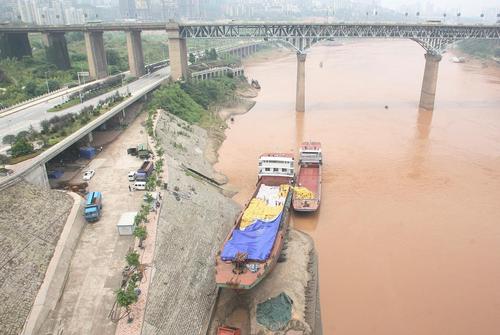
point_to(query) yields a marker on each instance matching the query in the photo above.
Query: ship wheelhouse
(276, 165)
(310, 153)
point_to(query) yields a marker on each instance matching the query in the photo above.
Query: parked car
(87, 175)
(139, 186)
(132, 151)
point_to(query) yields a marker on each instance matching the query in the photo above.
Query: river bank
(199, 213)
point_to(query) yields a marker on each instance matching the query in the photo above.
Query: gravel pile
(31, 221)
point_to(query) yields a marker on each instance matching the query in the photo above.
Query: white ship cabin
(280, 165)
(310, 152)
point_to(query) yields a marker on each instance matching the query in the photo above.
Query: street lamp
(82, 74)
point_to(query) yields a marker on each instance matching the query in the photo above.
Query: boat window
(275, 169)
(268, 169)
(284, 170)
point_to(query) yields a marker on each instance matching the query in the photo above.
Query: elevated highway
(34, 170)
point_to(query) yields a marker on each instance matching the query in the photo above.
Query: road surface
(22, 120)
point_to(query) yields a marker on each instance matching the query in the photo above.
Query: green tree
(30, 89)
(23, 134)
(53, 85)
(192, 58)
(4, 160)
(113, 57)
(45, 125)
(126, 297)
(9, 139)
(21, 147)
(133, 258)
(141, 233)
(148, 198)
(213, 54)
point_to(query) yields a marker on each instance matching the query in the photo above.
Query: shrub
(9, 139)
(133, 258)
(21, 147)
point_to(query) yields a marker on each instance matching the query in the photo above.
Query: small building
(126, 224)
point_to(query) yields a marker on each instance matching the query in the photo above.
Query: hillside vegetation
(33, 76)
(481, 48)
(190, 101)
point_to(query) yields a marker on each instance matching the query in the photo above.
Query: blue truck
(93, 206)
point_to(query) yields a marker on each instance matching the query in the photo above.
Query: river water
(408, 234)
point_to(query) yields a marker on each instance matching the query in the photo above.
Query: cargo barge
(254, 244)
(307, 194)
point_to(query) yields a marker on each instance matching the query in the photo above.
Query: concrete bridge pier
(56, 49)
(38, 176)
(96, 55)
(135, 54)
(429, 83)
(14, 45)
(178, 52)
(300, 103)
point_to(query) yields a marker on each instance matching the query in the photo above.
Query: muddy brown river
(408, 233)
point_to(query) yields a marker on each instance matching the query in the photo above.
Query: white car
(87, 175)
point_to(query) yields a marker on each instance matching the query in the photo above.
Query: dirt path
(95, 271)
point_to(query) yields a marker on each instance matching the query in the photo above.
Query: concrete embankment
(197, 216)
(32, 231)
(195, 220)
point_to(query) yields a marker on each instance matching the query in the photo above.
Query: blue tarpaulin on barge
(256, 240)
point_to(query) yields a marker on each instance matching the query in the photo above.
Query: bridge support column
(178, 53)
(135, 54)
(56, 50)
(90, 137)
(429, 83)
(300, 104)
(96, 55)
(14, 45)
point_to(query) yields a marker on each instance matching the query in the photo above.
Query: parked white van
(131, 176)
(139, 185)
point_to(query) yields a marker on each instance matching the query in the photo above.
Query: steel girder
(321, 31)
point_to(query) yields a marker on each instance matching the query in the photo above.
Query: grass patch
(64, 105)
(23, 158)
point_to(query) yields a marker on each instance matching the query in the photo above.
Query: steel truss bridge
(433, 37)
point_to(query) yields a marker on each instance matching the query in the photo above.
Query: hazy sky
(468, 7)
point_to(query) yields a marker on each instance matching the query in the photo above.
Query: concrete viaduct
(432, 37)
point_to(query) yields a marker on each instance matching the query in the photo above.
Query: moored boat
(253, 246)
(307, 193)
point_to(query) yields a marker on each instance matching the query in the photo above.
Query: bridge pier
(56, 49)
(178, 53)
(300, 103)
(96, 55)
(429, 83)
(14, 45)
(135, 54)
